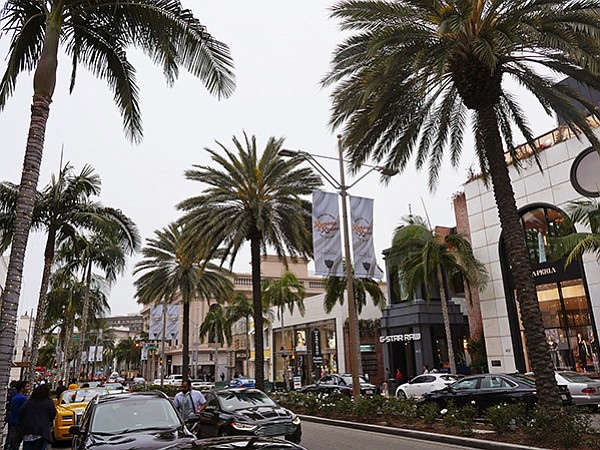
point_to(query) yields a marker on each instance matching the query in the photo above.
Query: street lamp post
(353, 335)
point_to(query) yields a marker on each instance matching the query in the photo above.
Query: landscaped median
(509, 423)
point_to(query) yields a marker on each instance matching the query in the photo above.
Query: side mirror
(75, 430)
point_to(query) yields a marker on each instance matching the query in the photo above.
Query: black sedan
(247, 411)
(335, 383)
(488, 390)
(143, 420)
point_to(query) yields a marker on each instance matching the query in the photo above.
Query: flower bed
(512, 423)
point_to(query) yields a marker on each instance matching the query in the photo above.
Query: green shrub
(507, 416)
(568, 429)
(430, 413)
(462, 417)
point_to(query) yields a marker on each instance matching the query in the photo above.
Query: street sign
(151, 347)
(76, 337)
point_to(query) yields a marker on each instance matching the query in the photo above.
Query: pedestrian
(60, 388)
(399, 376)
(36, 418)
(387, 373)
(73, 384)
(9, 396)
(189, 401)
(425, 369)
(15, 436)
(222, 376)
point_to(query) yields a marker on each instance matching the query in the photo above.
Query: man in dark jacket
(14, 430)
(60, 388)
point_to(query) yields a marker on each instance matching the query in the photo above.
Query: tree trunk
(446, 317)
(216, 356)
(259, 355)
(286, 365)
(518, 257)
(246, 369)
(67, 347)
(185, 357)
(25, 202)
(42, 304)
(84, 316)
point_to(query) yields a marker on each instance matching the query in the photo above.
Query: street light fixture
(343, 191)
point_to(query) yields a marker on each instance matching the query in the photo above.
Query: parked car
(170, 380)
(335, 383)
(489, 389)
(240, 442)
(583, 389)
(115, 388)
(140, 420)
(423, 384)
(202, 385)
(69, 409)
(247, 411)
(242, 382)
(138, 381)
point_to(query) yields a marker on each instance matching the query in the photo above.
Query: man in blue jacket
(14, 433)
(189, 401)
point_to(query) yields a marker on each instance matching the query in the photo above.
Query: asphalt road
(316, 436)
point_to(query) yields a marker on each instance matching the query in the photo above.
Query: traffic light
(137, 344)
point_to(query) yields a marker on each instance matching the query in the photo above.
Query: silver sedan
(584, 390)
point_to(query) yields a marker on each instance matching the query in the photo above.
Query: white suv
(423, 384)
(171, 380)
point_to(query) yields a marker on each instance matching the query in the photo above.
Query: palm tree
(414, 74)
(421, 256)
(61, 208)
(96, 34)
(240, 308)
(216, 328)
(335, 289)
(285, 292)
(107, 250)
(586, 213)
(255, 198)
(174, 272)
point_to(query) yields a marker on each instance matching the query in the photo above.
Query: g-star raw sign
(400, 337)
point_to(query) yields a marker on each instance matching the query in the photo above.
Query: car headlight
(296, 420)
(243, 426)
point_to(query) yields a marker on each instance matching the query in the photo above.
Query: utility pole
(162, 351)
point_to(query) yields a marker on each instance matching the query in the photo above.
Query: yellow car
(69, 410)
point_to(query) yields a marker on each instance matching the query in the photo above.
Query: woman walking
(36, 418)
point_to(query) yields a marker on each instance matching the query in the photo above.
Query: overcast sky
(281, 51)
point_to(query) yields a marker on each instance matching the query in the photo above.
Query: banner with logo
(365, 262)
(99, 352)
(92, 353)
(327, 245)
(155, 328)
(172, 322)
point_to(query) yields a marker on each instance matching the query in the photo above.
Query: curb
(421, 435)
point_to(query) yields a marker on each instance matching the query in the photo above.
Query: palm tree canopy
(97, 35)
(285, 292)
(410, 70)
(251, 195)
(586, 213)
(216, 327)
(168, 270)
(336, 287)
(419, 253)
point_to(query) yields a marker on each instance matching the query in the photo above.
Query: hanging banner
(155, 327)
(144, 353)
(365, 263)
(172, 322)
(326, 235)
(99, 351)
(92, 353)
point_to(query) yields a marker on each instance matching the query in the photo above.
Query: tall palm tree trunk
(84, 316)
(259, 354)
(44, 82)
(286, 366)
(42, 305)
(518, 256)
(446, 318)
(185, 357)
(69, 323)
(247, 347)
(216, 355)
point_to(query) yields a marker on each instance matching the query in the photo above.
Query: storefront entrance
(562, 295)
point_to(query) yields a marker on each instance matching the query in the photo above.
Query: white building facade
(569, 297)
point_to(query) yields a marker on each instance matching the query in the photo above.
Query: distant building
(22, 348)
(134, 323)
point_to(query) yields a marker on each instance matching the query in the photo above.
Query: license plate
(368, 392)
(564, 397)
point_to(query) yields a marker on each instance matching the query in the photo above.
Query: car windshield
(348, 380)
(81, 395)
(575, 377)
(135, 413)
(231, 401)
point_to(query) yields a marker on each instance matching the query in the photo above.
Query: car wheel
(401, 395)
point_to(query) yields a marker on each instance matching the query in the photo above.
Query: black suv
(141, 420)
